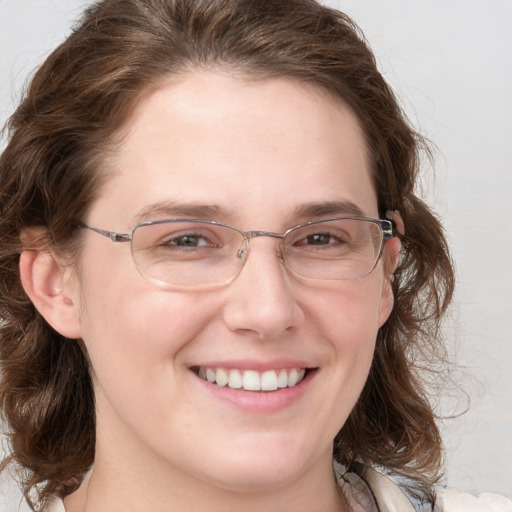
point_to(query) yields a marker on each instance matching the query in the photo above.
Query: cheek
(345, 320)
(349, 319)
(143, 322)
(136, 346)
(351, 312)
(132, 330)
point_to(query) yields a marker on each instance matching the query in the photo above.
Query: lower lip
(262, 402)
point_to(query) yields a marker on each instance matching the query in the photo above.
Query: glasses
(194, 253)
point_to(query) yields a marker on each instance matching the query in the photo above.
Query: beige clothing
(370, 491)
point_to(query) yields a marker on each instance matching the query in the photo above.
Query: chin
(252, 477)
(267, 463)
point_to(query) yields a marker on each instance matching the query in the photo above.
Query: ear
(48, 284)
(390, 258)
(391, 252)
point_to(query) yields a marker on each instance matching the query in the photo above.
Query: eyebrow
(329, 208)
(172, 209)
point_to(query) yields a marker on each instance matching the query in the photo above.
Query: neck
(110, 488)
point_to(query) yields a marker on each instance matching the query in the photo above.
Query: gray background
(449, 62)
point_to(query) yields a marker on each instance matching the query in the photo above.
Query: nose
(261, 300)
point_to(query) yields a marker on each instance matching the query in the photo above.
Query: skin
(259, 151)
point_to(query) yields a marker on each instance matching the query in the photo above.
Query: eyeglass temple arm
(115, 237)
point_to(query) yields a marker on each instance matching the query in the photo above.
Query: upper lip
(257, 365)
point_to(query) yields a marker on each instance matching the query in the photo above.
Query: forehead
(254, 148)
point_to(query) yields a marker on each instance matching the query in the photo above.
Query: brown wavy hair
(51, 170)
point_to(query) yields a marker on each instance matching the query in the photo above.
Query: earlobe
(391, 255)
(387, 300)
(46, 282)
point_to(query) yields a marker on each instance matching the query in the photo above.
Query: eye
(187, 240)
(324, 238)
(190, 240)
(320, 239)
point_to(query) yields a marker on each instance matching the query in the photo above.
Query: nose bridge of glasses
(249, 235)
(254, 234)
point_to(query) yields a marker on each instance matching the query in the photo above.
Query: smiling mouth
(252, 380)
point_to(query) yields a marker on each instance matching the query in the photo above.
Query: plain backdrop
(450, 64)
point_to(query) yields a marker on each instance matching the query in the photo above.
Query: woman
(150, 360)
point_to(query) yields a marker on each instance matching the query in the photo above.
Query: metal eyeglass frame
(387, 227)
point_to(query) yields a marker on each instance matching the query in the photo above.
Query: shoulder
(367, 489)
(455, 500)
(366, 485)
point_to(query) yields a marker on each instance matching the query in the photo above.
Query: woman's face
(255, 155)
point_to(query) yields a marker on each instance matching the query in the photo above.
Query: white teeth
(251, 380)
(221, 377)
(235, 379)
(269, 381)
(282, 380)
(293, 377)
